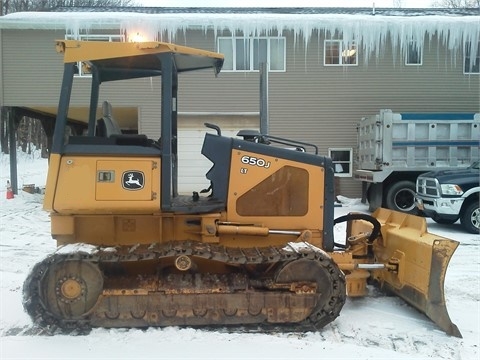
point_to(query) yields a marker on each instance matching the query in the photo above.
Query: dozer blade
(417, 262)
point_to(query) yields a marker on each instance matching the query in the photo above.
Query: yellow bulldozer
(256, 248)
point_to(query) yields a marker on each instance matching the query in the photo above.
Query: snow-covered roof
(369, 27)
(278, 10)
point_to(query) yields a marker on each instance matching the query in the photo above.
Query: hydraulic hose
(358, 216)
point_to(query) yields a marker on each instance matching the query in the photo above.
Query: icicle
(370, 33)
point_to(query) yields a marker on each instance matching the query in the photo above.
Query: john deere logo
(133, 180)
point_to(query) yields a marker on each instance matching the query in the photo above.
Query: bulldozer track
(58, 291)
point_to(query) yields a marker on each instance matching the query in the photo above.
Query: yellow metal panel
(62, 225)
(75, 50)
(78, 190)
(244, 176)
(52, 177)
(114, 189)
(119, 229)
(95, 229)
(75, 186)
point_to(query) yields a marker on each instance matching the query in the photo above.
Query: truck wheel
(401, 197)
(470, 218)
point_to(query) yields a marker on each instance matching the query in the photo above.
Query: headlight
(451, 189)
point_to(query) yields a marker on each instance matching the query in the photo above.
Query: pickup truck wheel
(400, 196)
(470, 219)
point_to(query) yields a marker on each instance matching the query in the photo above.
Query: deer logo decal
(133, 180)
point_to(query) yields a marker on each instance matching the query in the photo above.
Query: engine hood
(466, 177)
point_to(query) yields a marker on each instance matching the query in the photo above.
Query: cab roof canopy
(110, 61)
(120, 60)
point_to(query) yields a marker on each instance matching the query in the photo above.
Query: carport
(127, 117)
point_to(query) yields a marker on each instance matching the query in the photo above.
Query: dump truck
(256, 248)
(395, 148)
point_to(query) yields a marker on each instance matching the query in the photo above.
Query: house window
(342, 161)
(472, 58)
(81, 69)
(414, 54)
(246, 54)
(339, 54)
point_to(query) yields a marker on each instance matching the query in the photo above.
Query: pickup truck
(449, 195)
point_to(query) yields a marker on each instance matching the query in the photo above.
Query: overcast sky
(288, 3)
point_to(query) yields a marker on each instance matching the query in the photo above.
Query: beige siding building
(327, 69)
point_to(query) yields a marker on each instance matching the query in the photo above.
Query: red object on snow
(10, 194)
(9, 191)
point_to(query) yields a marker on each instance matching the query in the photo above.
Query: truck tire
(400, 196)
(470, 218)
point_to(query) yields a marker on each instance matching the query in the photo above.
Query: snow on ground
(375, 327)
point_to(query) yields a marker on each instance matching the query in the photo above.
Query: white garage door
(191, 131)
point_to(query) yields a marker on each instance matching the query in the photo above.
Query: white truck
(395, 148)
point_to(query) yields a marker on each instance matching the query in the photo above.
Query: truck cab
(449, 195)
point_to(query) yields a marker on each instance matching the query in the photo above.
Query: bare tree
(398, 4)
(11, 6)
(457, 4)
